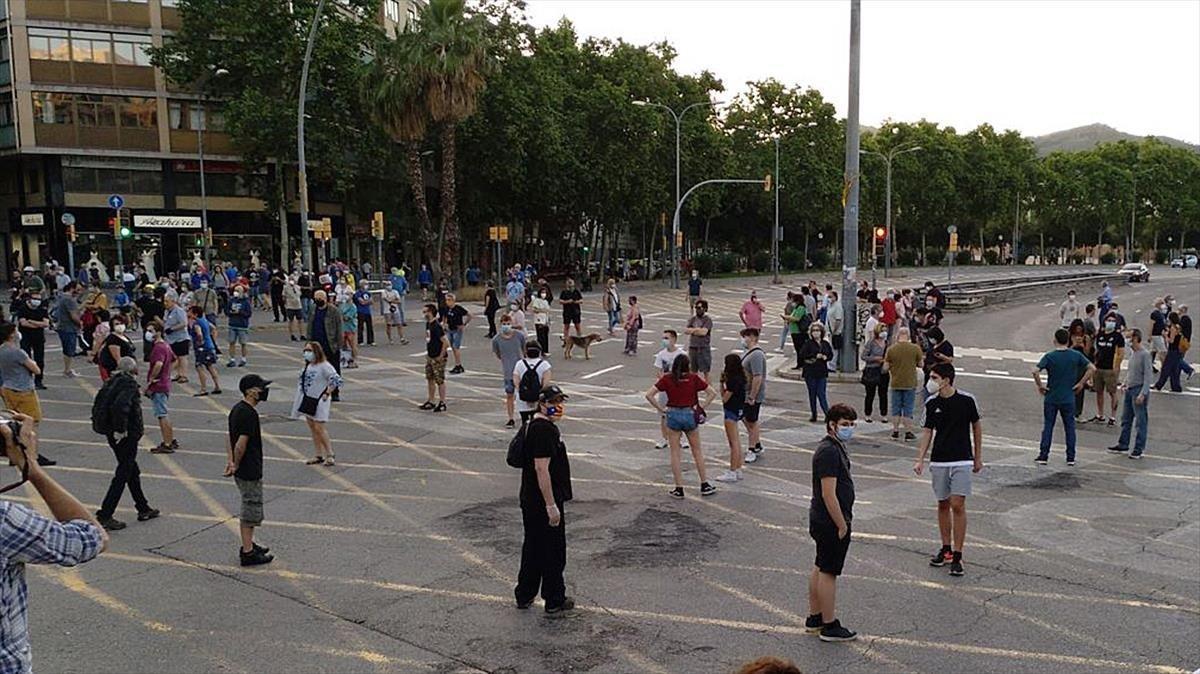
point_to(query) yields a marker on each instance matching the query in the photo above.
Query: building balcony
(184, 141)
(91, 74)
(96, 137)
(91, 11)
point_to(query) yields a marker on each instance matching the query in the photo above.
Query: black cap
(252, 381)
(552, 393)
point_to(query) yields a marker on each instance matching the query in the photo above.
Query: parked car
(1135, 271)
(1185, 262)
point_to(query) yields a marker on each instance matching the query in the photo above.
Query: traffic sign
(116, 201)
(68, 219)
(951, 230)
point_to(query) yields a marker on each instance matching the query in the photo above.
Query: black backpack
(530, 386)
(516, 457)
(101, 420)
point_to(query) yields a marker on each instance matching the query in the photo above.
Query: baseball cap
(552, 393)
(29, 268)
(252, 381)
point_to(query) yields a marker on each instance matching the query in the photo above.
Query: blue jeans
(816, 393)
(614, 318)
(1067, 412)
(783, 336)
(306, 307)
(1128, 412)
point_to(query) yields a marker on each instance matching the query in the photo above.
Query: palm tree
(431, 76)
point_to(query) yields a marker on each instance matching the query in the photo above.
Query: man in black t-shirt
(572, 307)
(437, 346)
(456, 317)
(33, 319)
(952, 427)
(829, 516)
(545, 489)
(1109, 352)
(245, 464)
(150, 306)
(940, 350)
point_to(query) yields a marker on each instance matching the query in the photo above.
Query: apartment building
(83, 116)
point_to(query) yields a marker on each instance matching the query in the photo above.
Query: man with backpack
(117, 415)
(545, 489)
(754, 362)
(508, 345)
(530, 376)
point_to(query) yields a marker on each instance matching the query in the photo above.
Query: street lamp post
(849, 354)
(775, 231)
(675, 227)
(887, 225)
(305, 245)
(201, 127)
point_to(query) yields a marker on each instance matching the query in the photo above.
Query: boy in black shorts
(572, 310)
(829, 517)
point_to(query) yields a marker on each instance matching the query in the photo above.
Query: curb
(836, 377)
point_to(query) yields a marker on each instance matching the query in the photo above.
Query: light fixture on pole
(678, 117)
(887, 158)
(305, 245)
(201, 127)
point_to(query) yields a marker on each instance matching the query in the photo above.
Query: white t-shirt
(664, 359)
(543, 366)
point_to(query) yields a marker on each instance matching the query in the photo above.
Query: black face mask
(321, 303)
(264, 394)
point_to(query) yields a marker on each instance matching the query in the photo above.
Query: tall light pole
(848, 353)
(202, 126)
(775, 231)
(675, 227)
(305, 245)
(887, 237)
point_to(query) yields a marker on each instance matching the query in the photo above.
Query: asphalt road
(402, 558)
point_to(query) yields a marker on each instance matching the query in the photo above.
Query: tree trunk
(450, 234)
(923, 262)
(416, 182)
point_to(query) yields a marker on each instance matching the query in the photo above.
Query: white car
(1135, 271)
(1185, 262)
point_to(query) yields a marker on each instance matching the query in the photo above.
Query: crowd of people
(902, 348)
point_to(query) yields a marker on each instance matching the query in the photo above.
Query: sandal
(329, 461)
(315, 460)
(200, 394)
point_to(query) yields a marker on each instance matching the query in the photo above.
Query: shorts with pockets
(70, 342)
(205, 357)
(570, 317)
(181, 348)
(25, 402)
(1157, 343)
(293, 314)
(159, 400)
(456, 337)
(435, 369)
(252, 501)
(950, 480)
(701, 359)
(681, 419)
(831, 550)
(734, 415)
(1105, 380)
(238, 335)
(903, 401)
(750, 412)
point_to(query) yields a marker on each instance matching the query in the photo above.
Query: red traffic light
(881, 233)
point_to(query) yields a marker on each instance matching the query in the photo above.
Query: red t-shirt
(160, 352)
(889, 312)
(682, 393)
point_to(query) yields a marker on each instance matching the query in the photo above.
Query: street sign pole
(68, 220)
(849, 352)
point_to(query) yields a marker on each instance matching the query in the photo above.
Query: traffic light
(767, 183)
(377, 225)
(880, 234)
(115, 225)
(71, 236)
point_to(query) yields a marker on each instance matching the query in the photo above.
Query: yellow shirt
(903, 359)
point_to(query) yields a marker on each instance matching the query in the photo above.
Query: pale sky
(1035, 66)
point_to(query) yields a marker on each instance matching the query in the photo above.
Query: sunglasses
(15, 428)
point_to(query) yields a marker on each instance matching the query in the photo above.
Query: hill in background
(1087, 137)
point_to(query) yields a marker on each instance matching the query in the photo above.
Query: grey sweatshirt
(1140, 373)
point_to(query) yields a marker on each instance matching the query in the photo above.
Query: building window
(4, 58)
(49, 45)
(94, 110)
(139, 113)
(130, 50)
(170, 3)
(195, 116)
(89, 47)
(412, 16)
(6, 118)
(391, 9)
(175, 115)
(52, 108)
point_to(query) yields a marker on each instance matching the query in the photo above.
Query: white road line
(600, 372)
(1004, 372)
(1048, 304)
(990, 358)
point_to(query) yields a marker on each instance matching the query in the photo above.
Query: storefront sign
(32, 220)
(167, 222)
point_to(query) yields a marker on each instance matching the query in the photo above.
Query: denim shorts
(681, 419)
(903, 400)
(159, 400)
(238, 335)
(734, 415)
(70, 342)
(455, 338)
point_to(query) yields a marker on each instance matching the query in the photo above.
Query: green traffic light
(125, 232)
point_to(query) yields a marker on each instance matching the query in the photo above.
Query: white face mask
(149, 335)
(933, 386)
(119, 328)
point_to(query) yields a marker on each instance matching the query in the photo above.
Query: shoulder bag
(308, 404)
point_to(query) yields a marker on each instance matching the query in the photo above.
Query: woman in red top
(889, 308)
(683, 404)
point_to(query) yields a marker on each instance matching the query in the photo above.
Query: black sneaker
(457, 369)
(255, 557)
(835, 632)
(110, 524)
(677, 492)
(1071, 463)
(956, 567)
(908, 436)
(260, 548)
(707, 489)
(942, 556)
(425, 405)
(1041, 461)
(162, 448)
(812, 419)
(895, 435)
(148, 515)
(1117, 449)
(441, 407)
(510, 423)
(566, 605)
(43, 461)
(813, 623)
(174, 444)
(524, 604)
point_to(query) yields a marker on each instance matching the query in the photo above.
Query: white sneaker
(662, 445)
(729, 476)
(749, 457)
(683, 444)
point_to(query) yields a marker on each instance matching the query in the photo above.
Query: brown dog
(585, 342)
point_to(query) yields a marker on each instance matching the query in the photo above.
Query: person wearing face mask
(240, 309)
(1158, 325)
(456, 318)
(612, 305)
(491, 305)
(158, 385)
(325, 328)
(17, 371)
(751, 312)
(694, 286)
(572, 308)
(633, 324)
(508, 347)
(873, 377)
(699, 332)
(120, 400)
(292, 309)
(1069, 310)
(953, 430)
(1137, 398)
(32, 318)
(545, 490)
(68, 324)
(834, 321)
(437, 349)
(317, 383)
(754, 362)
(517, 315)
(541, 317)
(1109, 351)
(244, 453)
(663, 361)
(1062, 366)
(815, 355)
(115, 346)
(829, 515)
(366, 323)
